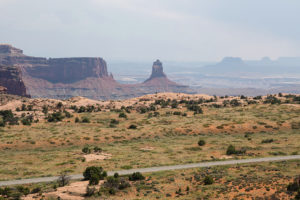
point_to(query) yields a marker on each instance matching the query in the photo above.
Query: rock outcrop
(11, 79)
(157, 71)
(159, 82)
(3, 90)
(67, 77)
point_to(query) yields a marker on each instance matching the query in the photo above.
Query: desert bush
(234, 103)
(201, 142)
(136, 176)
(267, 141)
(208, 180)
(59, 105)
(122, 115)
(23, 107)
(86, 150)
(116, 175)
(97, 149)
(77, 120)
(194, 107)
(55, 117)
(132, 126)
(295, 125)
(67, 114)
(294, 186)
(8, 117)
(114, 121)
(174, 104)
(230, 150)
(177, 113)
(45, 109)
(29, 107)
(94, 171)
(85, 120)
(272, 100)
(26, 121)
(81, 109)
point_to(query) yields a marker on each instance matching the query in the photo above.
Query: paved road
(156, 169)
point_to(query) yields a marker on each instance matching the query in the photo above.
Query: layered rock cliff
(68, 77)
(11, 79)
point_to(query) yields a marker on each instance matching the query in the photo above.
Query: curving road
(156, 169)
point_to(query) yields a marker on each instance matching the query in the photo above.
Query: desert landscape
(145, 100)
(49, 137)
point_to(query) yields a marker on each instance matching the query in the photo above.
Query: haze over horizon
(140, 30)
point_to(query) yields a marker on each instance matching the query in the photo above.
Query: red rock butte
(62, 78)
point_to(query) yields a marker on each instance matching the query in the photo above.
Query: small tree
(94, 171)
(63, 179)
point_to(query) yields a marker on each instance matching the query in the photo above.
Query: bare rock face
(10, 50)
(158, 81)
(157, 70)
(69, 70)
(158, 77)
(11, 79)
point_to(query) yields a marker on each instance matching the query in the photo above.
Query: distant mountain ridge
(235, 65)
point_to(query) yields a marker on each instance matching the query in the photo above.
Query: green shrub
(55, 117)
(294, 186)
(136, 176)
(132, 126)
(67, 114)
(267, 141)
(85, 120)
(7, 116)
(177, 113)
(116, 175)
(201, 142)
(86, 150)
(208, 180)
(97, 149)
(26, 122)
(94, 171)
(122, 115)
(230, 150)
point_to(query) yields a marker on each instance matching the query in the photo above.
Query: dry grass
(44, 148)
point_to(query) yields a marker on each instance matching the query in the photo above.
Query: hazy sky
(143, 30)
